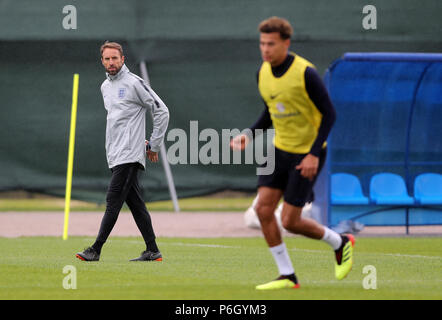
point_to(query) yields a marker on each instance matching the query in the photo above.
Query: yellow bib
(295, 117)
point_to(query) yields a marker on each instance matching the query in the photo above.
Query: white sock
(282, 259)
(332, 238)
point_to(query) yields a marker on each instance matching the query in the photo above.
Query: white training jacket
(126, 98)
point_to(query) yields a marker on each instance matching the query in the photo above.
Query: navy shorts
(297, 189)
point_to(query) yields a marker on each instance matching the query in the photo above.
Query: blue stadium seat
(346, 190)
(389, 189)
(428, 189)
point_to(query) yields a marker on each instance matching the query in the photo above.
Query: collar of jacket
(120, 73)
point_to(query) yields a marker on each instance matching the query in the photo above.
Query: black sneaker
(89, 254)
(149, 256)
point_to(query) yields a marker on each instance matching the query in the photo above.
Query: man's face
(273, 48)
(112, 60)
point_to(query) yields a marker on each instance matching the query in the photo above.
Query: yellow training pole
(70, 156)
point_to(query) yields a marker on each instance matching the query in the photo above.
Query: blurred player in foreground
(299, 108)
(127, 98)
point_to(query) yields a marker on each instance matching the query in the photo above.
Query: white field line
(398, 255)
(181, 244)
(203, 245)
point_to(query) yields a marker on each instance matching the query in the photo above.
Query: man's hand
(153, 156)
(239, 142)
(309, 166)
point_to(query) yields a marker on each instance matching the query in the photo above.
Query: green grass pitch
(217, 269)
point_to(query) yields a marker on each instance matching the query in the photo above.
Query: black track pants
(124, 187)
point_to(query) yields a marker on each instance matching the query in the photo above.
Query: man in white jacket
(127, 97)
